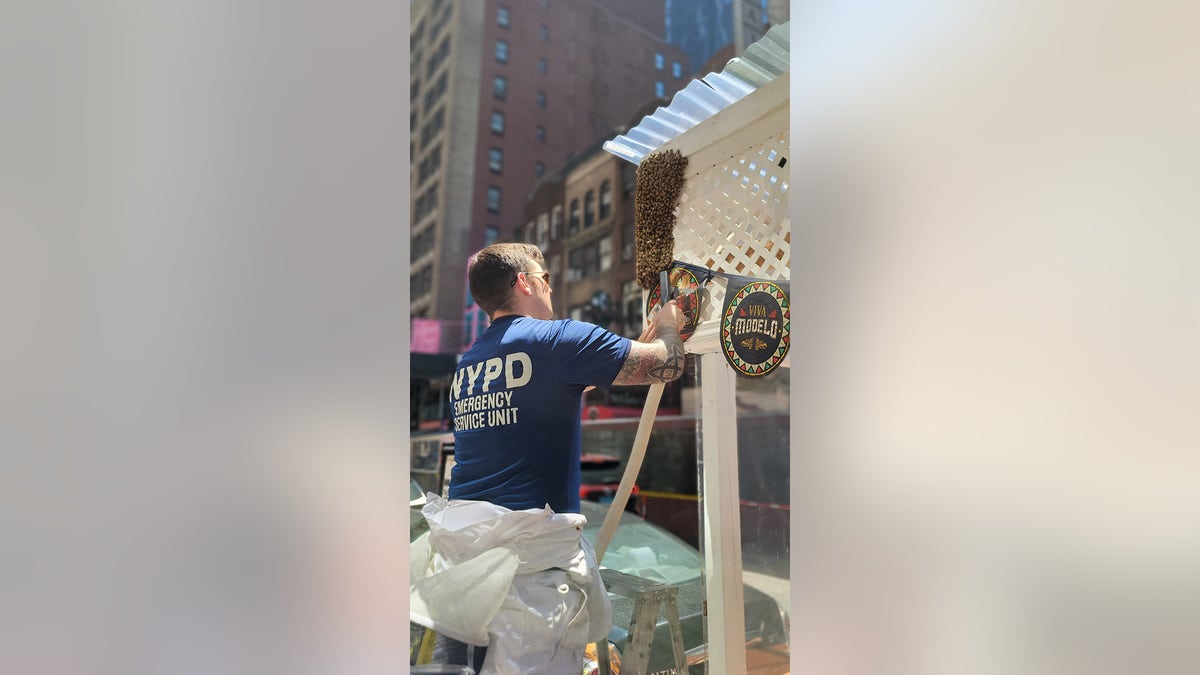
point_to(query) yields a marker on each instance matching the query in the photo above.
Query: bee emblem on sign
(754, 344)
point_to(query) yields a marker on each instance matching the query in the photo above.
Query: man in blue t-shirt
(517, 394)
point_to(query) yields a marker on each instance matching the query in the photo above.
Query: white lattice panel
(733, 218)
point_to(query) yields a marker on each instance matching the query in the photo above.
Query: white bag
(524, 583)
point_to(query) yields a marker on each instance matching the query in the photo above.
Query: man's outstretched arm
(658, 355)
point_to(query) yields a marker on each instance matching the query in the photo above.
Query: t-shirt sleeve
(589, 355)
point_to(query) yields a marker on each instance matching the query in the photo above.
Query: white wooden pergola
(732, 217)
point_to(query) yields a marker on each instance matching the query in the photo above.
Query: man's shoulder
(555, 332)
(572, 330)
(556, 327)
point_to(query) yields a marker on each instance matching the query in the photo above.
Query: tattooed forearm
(658, 361)
(672, 366)
(633, 371)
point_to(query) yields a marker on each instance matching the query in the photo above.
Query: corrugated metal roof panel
(702, 98)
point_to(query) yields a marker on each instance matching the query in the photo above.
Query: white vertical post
(721, 515)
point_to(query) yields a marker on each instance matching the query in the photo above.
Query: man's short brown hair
(491, 273)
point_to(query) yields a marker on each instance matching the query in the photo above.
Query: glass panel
(764, 508)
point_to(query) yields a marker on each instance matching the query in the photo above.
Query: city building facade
(503, 91)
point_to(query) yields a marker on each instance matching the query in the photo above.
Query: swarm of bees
(660, 179)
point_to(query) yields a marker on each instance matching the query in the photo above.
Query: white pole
(721, 516)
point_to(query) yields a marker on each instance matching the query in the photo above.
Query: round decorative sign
(687, 298)
(756, 328)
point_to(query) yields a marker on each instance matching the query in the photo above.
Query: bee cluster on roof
(660, 180)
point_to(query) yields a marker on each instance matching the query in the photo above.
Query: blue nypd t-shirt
(516, 401)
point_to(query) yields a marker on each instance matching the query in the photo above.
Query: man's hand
(670, 315)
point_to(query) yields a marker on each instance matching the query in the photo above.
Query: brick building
(502, 91)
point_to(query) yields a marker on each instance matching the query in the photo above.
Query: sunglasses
(545, 276)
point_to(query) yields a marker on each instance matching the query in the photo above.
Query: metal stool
(649, 599)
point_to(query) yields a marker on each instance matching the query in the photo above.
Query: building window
(500, 87)
(501, 51)
(541, 99)
(556, 222)
(545, 4)
(575, 265)
(677, 69)
(423, 243)
(542, 66)
(584, 261)
(438, 57)
(502, 17)
(426, 204)
(632, 295)
(543, 231)
(417, 34)
(539, 169)
(589, 209)
(493, 199)
(659, 90)
(429, 165)
(435, 91)
(659, 63)
(605, 253)
(495, 160)
(573, 223)
(541, 134)
(433, 126)
(591, 259)
(544, 34)
(497, 123)
(420, 283)
(490, 235)
(605, 200)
